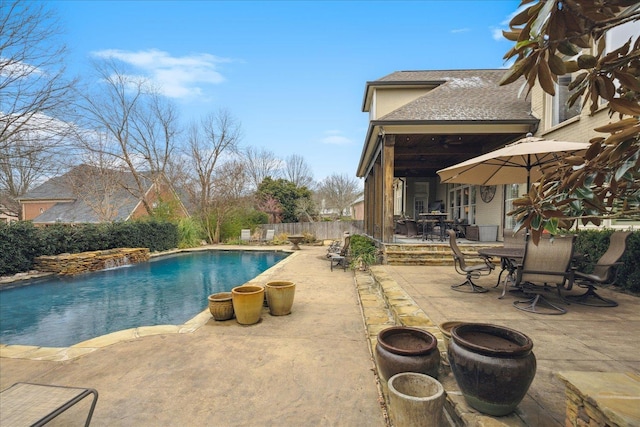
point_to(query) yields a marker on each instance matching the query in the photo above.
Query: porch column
(387, 188)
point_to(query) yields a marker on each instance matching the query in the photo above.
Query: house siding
(31, 210)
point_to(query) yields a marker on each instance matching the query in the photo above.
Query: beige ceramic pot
(280, 296)
(247, 303)
(221, 306)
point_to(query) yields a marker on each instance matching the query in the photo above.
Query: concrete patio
(314, 367)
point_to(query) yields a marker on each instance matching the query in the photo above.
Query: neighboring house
(88, 194)
(7, 213)
(357, 209)
(423, 121)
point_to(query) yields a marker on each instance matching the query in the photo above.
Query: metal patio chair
(604, 273)
(545, 264)
(470, 271)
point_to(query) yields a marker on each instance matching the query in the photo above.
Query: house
(88, 194)
(8, 212)
(423, 121)
(357, 208)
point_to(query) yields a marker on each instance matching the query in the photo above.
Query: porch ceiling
(421, 155)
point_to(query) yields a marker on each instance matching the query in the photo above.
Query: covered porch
(422, 122)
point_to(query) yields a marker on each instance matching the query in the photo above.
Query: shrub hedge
(21, 242)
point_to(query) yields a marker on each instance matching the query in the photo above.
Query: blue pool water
(170, 290)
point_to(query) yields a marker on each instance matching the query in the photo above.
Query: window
(462, 202)
(560, 111)
(511, 192)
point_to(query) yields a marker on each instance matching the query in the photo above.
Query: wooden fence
(325, 230)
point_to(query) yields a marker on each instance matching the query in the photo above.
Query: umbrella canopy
(514, 163)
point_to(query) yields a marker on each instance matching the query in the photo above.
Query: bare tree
(139, 124)
(208, 142)
(33, 92)
(298, 171)
(339, 191)
(261, 163)
(229, 185)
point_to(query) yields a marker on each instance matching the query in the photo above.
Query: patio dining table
(438, 216)
(509, 259)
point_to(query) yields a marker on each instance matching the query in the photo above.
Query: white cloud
(176, 77)
(496, 33)
(335, 137)
(461, 30)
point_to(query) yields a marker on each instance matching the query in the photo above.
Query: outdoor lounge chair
(544, 264)
(269, 235)
(470, 271)
(604, 273)
(245, 235)
(37, 404)
(339, 259)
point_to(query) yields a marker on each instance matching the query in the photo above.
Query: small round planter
(280, 296)
(493, 366)
(406, 349)
(221, 306)
(416, 400)
(247, 303)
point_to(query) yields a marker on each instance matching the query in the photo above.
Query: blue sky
(292, 72)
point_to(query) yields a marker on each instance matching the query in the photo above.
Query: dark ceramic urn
(493, 366)
(406, 349)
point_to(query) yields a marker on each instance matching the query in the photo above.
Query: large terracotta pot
(406, 349)
(221, 306)
(493, 366)
(416, 400)
(280, 297)
(247, 303)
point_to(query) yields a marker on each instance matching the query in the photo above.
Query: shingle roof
(464, 95)
(74, 207)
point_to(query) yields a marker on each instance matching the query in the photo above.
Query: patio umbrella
(514, 163)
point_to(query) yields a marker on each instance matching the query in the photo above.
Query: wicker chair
(548, 262)
(471, 271)
(604, 273)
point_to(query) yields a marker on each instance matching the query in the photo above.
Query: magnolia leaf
(536, 221)
(557, 65)
(593, 150)
(515, 71)
(584, 193)
(574, 160)
(544, 77)
(571, 66)
(511, 35)
(568, 49)
(627, 80)
(577, 80)
(552, 226)
(616, 126)
(520, 19)
(625, 106)
(542, 18)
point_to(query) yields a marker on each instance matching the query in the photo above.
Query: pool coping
(58, 354)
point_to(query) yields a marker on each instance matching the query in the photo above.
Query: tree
(34, 94)
(217, 135)
(286, 193)
(605, 182)
(339, 191)
(298, 171)
(138, 123)
(229, 189)
(261, 164)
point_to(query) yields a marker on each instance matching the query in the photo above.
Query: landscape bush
(21, 242)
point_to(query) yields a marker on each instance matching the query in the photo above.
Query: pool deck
(314, 366)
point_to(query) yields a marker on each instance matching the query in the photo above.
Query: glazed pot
(415, 400)
(406, 349)
(445, 329)
(221, 306)
(280, 297)
(493, 366)
(247, 303)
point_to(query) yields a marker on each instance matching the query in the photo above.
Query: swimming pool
(60, 312)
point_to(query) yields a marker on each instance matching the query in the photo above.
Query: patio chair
(412, 228)
(548, 262)
(38, 404)
(340, 258)
(604, 273)
(470, 271)
(245, 235)
(269, 236)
